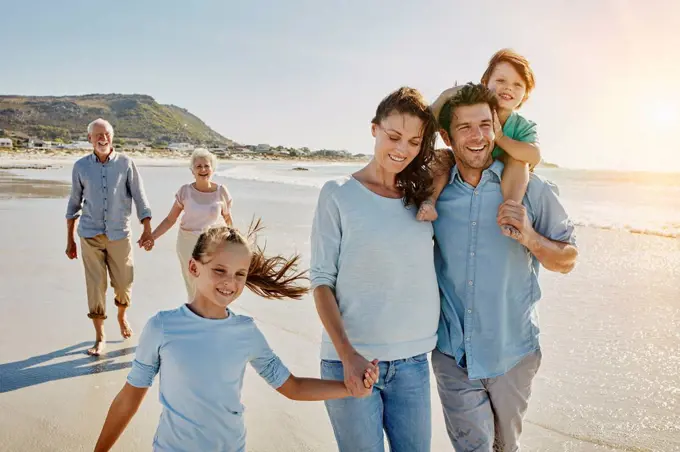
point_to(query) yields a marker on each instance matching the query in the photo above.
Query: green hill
(132, 116)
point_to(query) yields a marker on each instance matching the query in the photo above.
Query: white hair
(205, 154)
(104, 122)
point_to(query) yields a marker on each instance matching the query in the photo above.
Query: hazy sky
(310, 73)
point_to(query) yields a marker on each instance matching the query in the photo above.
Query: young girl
(510, 77)
(204, 204)
(201, 350)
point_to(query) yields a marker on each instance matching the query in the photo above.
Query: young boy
(510, 77)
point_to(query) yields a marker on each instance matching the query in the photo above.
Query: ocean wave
(606, 216)
(671, 232)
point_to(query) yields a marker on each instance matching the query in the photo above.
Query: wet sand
(609, 378)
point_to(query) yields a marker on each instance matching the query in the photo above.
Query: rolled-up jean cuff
(119, 304)
(93, 315)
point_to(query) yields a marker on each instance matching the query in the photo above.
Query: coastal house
(263, 148)
(5, 143)
(39, 144)
(181, 147)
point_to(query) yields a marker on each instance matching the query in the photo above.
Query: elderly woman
(204, 203)
(375, 288)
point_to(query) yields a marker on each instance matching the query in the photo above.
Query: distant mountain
(132, 116)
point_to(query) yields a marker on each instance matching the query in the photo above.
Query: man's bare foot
(125, 329)
(512, 232)
(98, 348)
(427, 212)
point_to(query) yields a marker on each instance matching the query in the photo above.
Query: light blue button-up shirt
(489, 282)
(102, 194)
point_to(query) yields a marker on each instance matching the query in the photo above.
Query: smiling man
(488, 350)
(104, 185)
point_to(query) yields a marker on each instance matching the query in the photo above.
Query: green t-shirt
(518, 128)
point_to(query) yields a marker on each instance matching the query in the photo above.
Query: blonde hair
(200, 153)
(268, 276)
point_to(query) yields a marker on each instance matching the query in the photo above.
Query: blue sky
(310, 73)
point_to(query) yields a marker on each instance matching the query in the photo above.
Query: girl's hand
(497, 127)
(372, 375)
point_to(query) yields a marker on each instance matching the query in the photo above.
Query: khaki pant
(484, 415)
(186, 241)
(100, 254)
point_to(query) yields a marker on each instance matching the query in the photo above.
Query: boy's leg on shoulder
(467, 408)
(509, 395)
(120, 263)
(407, 405)
(357, 423)
(515, 179)
(93, 254)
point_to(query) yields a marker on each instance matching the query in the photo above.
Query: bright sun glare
(664, 115)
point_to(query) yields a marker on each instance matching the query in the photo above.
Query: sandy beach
(611, 348)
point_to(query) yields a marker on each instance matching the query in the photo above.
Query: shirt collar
(112, 156)
(496, 169)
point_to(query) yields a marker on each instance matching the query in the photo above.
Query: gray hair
(206, 154)
(104, 122)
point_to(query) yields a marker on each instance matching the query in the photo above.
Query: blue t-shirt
(202, 363)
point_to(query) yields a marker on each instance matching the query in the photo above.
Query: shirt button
(474, 223)
(467, 339)
(469, 311)
(470, 283)
(472, 254)
(476, 192)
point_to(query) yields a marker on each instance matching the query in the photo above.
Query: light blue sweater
(379, 261)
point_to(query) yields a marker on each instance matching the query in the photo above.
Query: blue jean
(399, 404)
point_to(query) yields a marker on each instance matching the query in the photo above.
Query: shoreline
(36, 159)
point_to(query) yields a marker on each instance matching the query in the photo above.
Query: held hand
(146, 240)
(354, 367)
(371, 375)
(427, 212)
(497, 127)
(71, 250)
(514, 214)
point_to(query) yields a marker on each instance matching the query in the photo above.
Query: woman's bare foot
(98, 347)
(125, 329)
(427, 212)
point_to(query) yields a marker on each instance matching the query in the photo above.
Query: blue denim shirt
(103, 194)
(488, 282)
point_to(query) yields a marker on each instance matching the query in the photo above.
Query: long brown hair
(415, 181)
(268, 276)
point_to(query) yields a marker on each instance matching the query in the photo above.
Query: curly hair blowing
(470, 94)
(415, 181)
(268, 276)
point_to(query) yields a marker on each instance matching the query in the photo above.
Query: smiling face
(202, 169)
(471, 136)
(221, 277)
(398, 139)
(508, 86)
(101, 138)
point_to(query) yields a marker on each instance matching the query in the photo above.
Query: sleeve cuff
(141, 375)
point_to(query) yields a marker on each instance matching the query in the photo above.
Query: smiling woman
(204, 204)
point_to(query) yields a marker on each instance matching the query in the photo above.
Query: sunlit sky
(310, 73)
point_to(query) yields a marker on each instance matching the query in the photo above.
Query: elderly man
(104, 185)
(488, 350)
